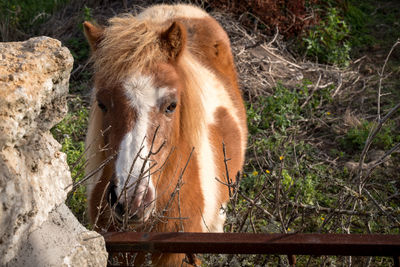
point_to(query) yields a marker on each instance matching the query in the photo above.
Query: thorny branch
(381, 77)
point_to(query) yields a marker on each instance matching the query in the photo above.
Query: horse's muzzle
(133, 210)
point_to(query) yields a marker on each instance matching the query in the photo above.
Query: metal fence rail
(245, 243)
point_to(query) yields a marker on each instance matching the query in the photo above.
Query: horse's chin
(136, 220)
(144, 218)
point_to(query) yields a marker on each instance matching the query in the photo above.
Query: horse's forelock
(127, 46)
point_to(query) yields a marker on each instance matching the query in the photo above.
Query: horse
(167, 128)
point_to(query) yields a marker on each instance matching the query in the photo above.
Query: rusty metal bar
(245, 243)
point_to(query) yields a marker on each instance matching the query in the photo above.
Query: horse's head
(138, 99)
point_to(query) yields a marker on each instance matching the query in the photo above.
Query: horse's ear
(174, 39)
(93, 34)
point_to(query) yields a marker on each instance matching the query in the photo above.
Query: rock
(34, 81)
(351, 120)
(33, 172)
(49, 245)
(258, 52)
(353, 166)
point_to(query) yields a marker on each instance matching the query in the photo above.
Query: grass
(328, 42)
(21, 18)
(380, 25)
(356, 137)
(279, 118)
(70, 134)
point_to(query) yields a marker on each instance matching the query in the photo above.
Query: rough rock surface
(35, 225)
(50, 244)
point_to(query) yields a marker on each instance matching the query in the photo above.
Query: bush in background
(20, 18)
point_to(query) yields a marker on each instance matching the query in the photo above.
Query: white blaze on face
(142, 96)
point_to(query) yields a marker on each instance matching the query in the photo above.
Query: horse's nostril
(119, 209)
(112, 196)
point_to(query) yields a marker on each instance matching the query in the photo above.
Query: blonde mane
(127, 45)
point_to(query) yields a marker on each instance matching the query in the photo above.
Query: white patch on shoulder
(213, 95)
(162, 13)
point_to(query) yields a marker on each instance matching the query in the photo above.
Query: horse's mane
(126, 44)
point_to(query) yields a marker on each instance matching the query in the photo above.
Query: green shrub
(24, 15)
(274, 122)
(79, 48)
(357, 20)
(70, 133)
(329, 40)
(356, 137)
(286, 107)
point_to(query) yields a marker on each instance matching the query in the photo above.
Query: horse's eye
(102, 106)
(171, 108)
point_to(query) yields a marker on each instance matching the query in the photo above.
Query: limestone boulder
(35, 225)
